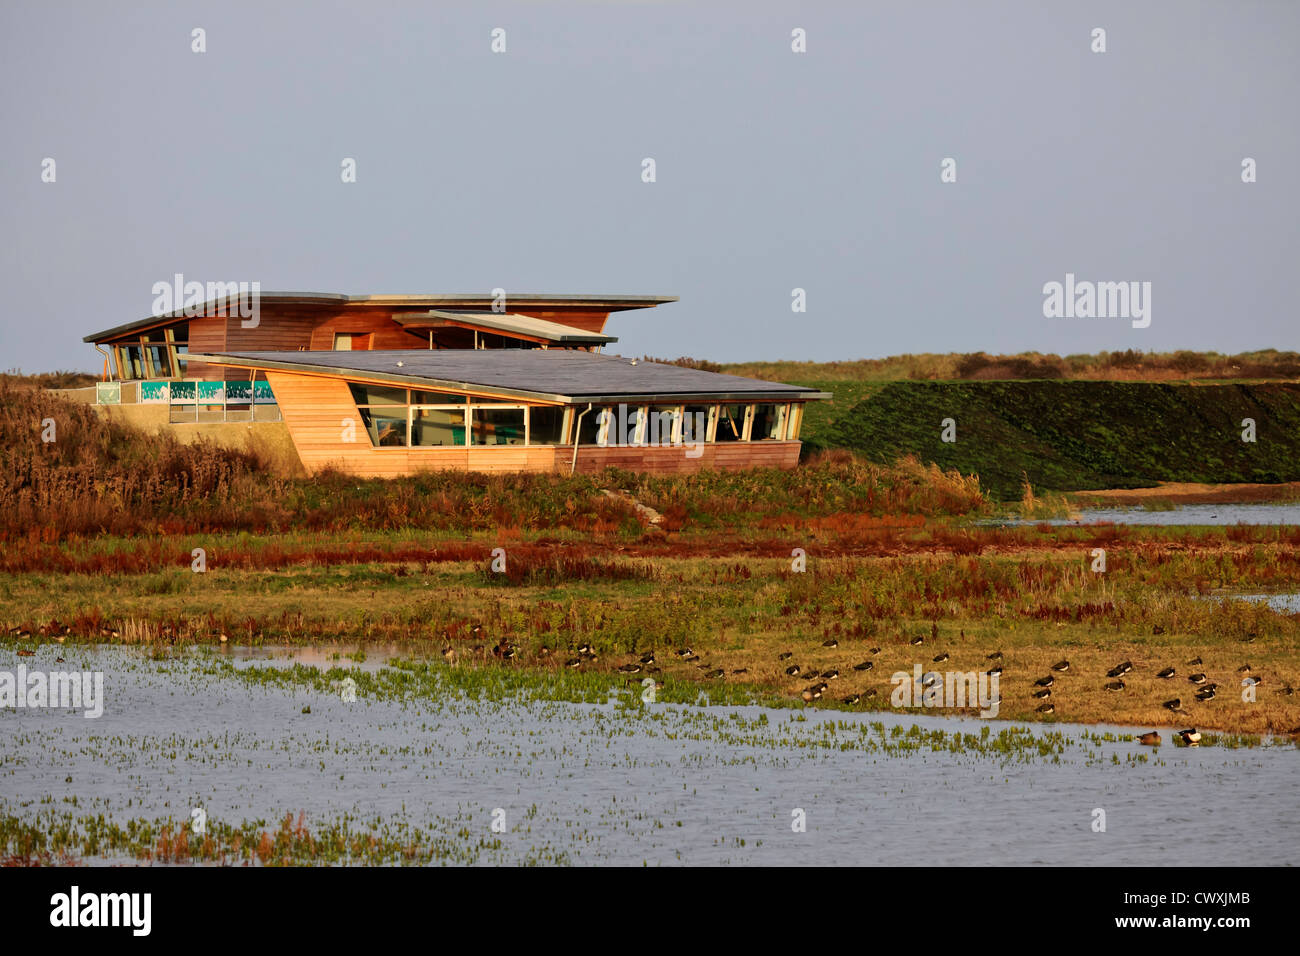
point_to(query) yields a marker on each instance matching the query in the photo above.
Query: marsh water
(1216, 514)
(606, 783)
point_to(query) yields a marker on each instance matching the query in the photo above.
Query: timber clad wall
(315, 409)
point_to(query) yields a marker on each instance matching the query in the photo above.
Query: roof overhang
(297, 363)
(224, 304)
(518, 326)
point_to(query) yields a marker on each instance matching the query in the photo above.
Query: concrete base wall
(270, 441)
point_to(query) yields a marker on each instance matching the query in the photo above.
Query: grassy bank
(1069, 435)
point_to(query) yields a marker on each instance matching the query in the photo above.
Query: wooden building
(391, 385)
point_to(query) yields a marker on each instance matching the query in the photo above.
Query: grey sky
(775, 170)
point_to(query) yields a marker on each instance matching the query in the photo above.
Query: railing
(228, 400)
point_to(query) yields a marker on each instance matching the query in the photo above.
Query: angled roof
(462, 300)
(541, 330)
(553, 375)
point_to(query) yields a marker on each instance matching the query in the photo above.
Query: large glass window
(731, 423)
(377, 394)
(769, 423)
(695, 423)
(546, 424)
(662, 427)
(494, 425)
(386, 426)
(595, 426)
(431, 427)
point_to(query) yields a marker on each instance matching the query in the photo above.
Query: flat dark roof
(611, 303)
(559, 375)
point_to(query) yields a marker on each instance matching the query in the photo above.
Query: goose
(1061, 666)
(785, 655)
(1167, 673)
(1043, 694)
(1175, 705)
(1196, 678)
(1115, 685)
(864, 666)
(940, 658)
(831, 642)
(1191, 737)
(793, 670)
(1194, 662)
(1047, 681)
(1151, 739)
(1047, 709)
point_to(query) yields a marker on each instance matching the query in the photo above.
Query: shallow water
(591, 784)
(1217, 514)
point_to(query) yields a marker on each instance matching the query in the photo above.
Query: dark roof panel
(561, 374)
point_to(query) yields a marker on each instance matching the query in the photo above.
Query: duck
(1167, 673)
(792, 670)
(1151, 739)
(1047, 681)
(26, 653)
(1061, 666)
(1196, 678)
(864, 666)
(940, 658)
(1114, 685)
(1046, 709)
(1043, 694)
(830, 642)
(807, 695)
(1191, 737)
